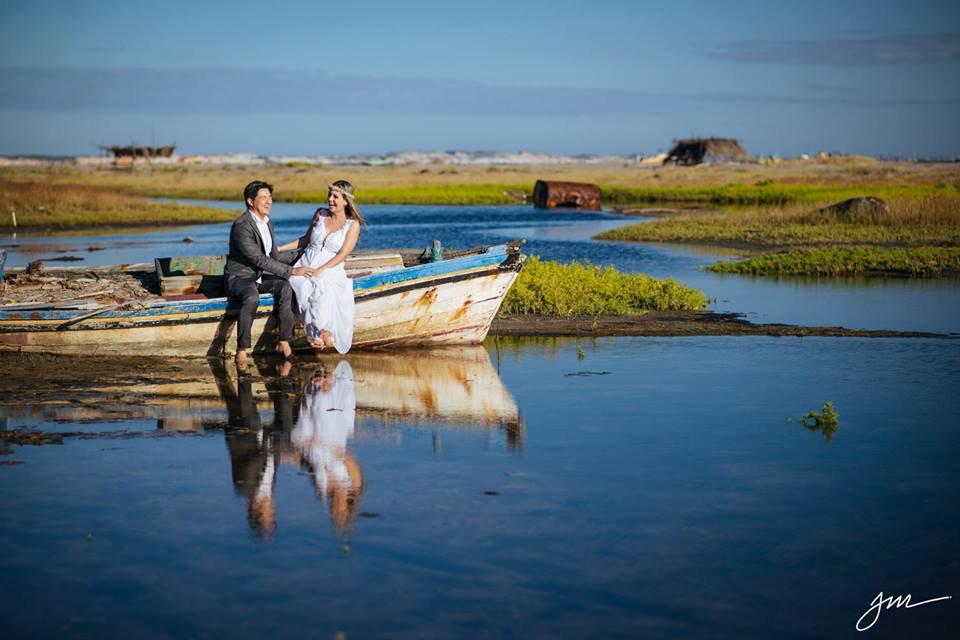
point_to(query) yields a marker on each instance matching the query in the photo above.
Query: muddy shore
(678, 323)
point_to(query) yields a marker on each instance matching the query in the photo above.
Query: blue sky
(315, 78)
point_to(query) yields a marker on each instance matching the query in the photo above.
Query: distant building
(707, 151)
(134, 151)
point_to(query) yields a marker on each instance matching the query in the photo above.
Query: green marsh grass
(768, 192)
(911, 221)
(442, 194)
(914, 261)
(555, 289)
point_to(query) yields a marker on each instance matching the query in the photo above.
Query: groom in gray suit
(254, 267)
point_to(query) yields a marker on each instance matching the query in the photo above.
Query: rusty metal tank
(574, 195)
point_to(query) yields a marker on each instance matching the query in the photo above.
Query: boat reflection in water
(301, 416)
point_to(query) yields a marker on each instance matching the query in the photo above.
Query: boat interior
(173, 279)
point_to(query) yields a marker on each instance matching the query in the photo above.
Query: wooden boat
(176, 306)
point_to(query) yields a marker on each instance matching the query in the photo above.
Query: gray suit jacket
(247, 258)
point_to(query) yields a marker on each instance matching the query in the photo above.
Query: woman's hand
(304, 271)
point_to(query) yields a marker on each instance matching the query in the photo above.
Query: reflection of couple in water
(312, 435)
(326, 420)
(317, 278)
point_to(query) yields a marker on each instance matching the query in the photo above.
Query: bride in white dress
(325, 300)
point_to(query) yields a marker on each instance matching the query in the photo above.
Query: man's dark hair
(250, 191)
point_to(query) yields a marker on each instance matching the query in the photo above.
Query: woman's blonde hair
(346, 189)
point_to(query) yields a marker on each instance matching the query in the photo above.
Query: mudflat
(676, 323)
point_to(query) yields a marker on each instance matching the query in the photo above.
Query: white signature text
(890, 602)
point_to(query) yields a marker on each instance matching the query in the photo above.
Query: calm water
(887, 303)
(623, 487)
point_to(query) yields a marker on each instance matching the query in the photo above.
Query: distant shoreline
(407, 158)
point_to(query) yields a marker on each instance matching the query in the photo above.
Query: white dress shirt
(264, 230)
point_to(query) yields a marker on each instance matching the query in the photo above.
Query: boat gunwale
(505, 257)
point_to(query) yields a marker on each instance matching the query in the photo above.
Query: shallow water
(621, 487)
(876, 303)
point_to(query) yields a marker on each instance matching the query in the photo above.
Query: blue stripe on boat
(493, 255)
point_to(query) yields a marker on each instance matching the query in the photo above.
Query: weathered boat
(177, 306)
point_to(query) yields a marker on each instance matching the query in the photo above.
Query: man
(254, 267)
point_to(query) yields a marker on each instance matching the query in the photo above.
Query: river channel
(898, 304)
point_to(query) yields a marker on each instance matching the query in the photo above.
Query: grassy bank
(622, 182)
(911, 221)
(792, 183)
(39, 205)
(768, 192)
(444, 194)
(922, 262)
(554, 289)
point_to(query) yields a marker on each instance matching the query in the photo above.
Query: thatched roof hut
(707, 151)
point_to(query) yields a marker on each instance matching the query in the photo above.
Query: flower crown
(346, 194)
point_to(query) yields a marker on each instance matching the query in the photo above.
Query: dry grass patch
(45, 205)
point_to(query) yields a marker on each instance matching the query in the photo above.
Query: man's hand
(304, 271)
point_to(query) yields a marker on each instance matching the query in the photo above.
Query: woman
(325, 300)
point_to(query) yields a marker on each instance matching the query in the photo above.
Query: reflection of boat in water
(303, 415)
(177, 306)
(450, 386)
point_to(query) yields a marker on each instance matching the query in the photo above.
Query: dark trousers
(248, 292)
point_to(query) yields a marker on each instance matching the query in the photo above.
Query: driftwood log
(576, 195)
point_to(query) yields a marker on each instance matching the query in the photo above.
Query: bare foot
(242, 362)
(317, 345)
(283, 348)
(327, 340)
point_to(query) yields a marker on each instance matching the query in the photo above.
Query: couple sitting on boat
(317, 278)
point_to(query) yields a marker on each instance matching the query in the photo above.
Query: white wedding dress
(325, 301)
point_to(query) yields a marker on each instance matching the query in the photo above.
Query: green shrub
(554, 289)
